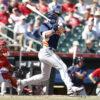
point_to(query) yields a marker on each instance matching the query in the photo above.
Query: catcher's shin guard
(12, 79)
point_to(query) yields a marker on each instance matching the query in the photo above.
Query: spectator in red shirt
(67, 6)
(3, 15)
(3, 18)
(23, 9)
(42, 7)
(73, 21)
(96, 73)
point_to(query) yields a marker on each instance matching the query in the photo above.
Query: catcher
(5, 69)
(50, 33)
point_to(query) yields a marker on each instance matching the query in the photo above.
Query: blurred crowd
(72, 15)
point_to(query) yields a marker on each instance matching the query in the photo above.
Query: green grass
(55, 97)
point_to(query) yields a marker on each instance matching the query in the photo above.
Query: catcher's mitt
(60, 30)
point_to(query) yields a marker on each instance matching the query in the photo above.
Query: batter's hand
(60, 31)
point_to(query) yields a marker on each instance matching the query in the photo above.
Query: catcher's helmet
(3, 46)
(78, 59)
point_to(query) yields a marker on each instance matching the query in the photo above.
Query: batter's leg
(57, 63)
(45, 74)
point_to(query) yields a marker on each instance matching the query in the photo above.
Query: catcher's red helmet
(3, 46)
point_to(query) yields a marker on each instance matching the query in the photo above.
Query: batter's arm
(54, 30)
(92, 78)
(47, 34)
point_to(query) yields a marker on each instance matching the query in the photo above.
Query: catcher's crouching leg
(7, 76)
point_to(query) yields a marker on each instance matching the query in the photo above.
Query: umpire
(95, 73)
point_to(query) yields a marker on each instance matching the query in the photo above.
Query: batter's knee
(64, 68)
(45, 77)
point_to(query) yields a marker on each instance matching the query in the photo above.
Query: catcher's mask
(3, 46)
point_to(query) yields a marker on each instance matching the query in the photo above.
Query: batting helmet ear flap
(78, 59)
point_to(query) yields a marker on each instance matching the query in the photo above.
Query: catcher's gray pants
(48, 60)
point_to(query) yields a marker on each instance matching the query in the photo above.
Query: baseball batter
(50, 33)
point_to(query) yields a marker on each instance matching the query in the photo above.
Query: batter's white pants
(48, 60)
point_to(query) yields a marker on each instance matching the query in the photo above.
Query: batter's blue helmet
(53, 12)
(78, 59)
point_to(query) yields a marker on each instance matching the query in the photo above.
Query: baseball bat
(37, 12)
(70, 68)
(74, 56)
(40, 14)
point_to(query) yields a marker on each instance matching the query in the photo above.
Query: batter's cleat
(77, 89)
(19, 87)
(74, 89)
(2, 94)
(70, 91)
